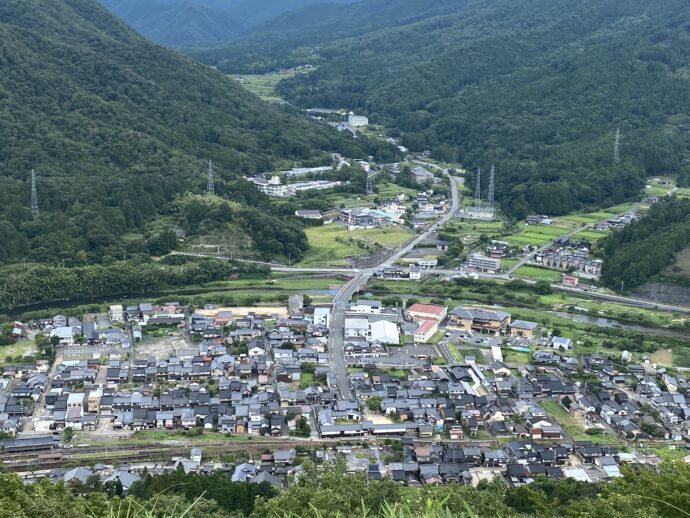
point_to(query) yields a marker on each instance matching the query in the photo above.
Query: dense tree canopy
(45, 283)
(117, 127)
(333, 493)
(641, 250)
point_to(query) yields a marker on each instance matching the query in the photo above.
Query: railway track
(51, 459)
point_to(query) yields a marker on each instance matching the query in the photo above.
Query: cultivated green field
(536, 234)
(536, 273)
(387, 190)
(683, 191)
(331, 244)
(264, 85)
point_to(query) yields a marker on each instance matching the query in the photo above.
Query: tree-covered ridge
(537, 87)
(192, 22)
(176, 23)
(288, 39)
(117, 127)
(638, 494)
(636, 253)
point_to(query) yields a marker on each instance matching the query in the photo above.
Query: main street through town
(342, 298)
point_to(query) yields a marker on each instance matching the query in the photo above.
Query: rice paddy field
(264, 85)
(536, 235)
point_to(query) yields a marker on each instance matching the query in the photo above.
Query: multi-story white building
(276, 189)
(484, 263)
(356, 327)
(357, 121)
(426, 329)
(369, 307)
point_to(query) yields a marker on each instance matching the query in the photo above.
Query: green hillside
(537, 87)
(117, 127)
(179, 23)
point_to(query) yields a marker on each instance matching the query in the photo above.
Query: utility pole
(617, 147)
(34, 196)
(210, 189)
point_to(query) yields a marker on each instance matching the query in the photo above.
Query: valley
(358, 258)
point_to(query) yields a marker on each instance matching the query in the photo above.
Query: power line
(34, 196)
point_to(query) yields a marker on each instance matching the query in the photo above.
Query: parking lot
(84, 351)
(409, 357)
(474, 339)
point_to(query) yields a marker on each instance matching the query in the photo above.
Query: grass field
(287, 282)
(536, 234)
(22, 348)
(683, 192)
(264, 85)
(456, 353)
(306, 380)
(331, 244)
(536, 273)
(668, 454)
(508, 263)
(387, 190)
(573, 426)
(663, 357)
(655, 189)
(511, 356)
(682, 262)
(681, 357)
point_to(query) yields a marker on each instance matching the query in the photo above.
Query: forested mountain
(117, 128)
(179, 23)
(190, 22)
(537, 87)
(289, 39)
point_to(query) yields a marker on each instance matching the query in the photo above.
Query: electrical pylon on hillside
(370, 183)
(490, 197)
(617, 147)
(478, 190)
(34, 196)
(210, 189)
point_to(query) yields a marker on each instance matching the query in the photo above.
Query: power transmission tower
(478, 190)
(210, 190)
(370, 183)
(490, 198)
(34, 196)
(617, 147)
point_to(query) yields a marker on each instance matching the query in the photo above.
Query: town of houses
(266, 372)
